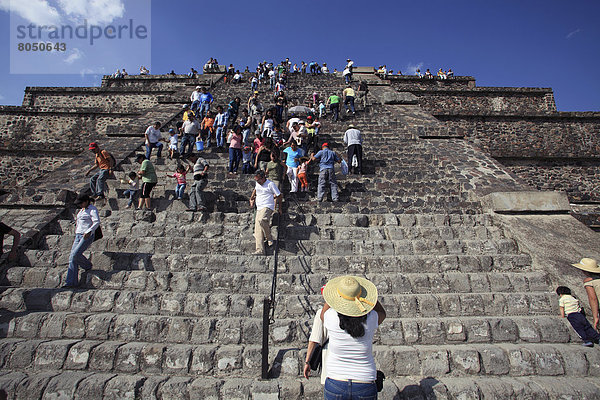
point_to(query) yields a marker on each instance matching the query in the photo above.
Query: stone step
(502, 360)
(208, 326)
(246, 245)
(354, 264)
(256, 280)
(292, 303)
(81, 385)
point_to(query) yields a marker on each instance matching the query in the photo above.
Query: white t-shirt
(173, 142)
(195, 96)
(264, 195)
(153, 134)
(348, 357)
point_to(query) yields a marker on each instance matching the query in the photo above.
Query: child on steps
(180, 175)
(303, 173)
(569, 307)
(133, 187)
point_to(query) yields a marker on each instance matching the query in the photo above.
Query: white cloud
(38, 12)
(573, 33)
(410, 68)
(74, 55)
(95, 11)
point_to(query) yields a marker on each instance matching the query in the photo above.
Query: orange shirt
(103, 160)
(207, 123)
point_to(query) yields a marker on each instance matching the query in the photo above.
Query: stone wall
(25, 128)
(412, 82)
(511, 100)
(159, 81)
(579, 178)
(105, 99)
(19, 168)
(560, 135)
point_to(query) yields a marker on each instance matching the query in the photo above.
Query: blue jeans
(98, 181)
(340, 390)
(324, 176)
(195, 106)
(220, 138)
(348, 78)
(245, 136)
(190, 141)
(180, 190)
(235, 155)
(149, 148)
(349, 101)
(204, 108)
(253, 86)
(77, 259)
(272, 82)
(131, 193)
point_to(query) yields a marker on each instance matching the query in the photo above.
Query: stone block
(528, 331)
(147, 303)
(195, 304)
(503, 330)
(124, 387)
(593, 359)
(204, 388)
(411, 332)
(548, 361)
(52, 326)
(151, 358)
(92, 387)
(98, 325)
(179, 329)
(465, 361)
(23, 353)
(103, 356)
(455, 331)
(228, 359)
(494, 361)
(28, 325)
(526, 201)
(32, 387)
(434, 362)
(176, 359)
(103, 300)
(173, 303)
(124, 327)
(432, 331)
(128, 358)
(267, 390)
(237, 389)
(79, 355)
(522, 362)
(574, 362)
(291, 389)
(52, 355)
(63, 386)
(407, 361)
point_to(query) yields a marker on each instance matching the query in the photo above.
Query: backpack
(111, 158)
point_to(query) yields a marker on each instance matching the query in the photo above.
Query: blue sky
(501, 43)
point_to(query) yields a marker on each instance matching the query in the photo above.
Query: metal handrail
(269, 306)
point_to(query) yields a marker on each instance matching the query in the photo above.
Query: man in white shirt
(264, 195)
(195, 99)
(153, 138)
(189, 131)
(353, 139)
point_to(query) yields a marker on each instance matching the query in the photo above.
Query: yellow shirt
(185, 114)
(569, 303)
(349, 92)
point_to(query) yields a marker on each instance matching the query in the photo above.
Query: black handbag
(98, 233)
(379, 380)
(315, 357)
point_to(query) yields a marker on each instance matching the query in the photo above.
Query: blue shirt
(206, 98)
(327, 159)
(291, 155)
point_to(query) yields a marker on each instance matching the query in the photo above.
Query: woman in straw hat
(592, 285)
(351, 316)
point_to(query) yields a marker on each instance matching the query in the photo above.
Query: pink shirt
(236, 141)
(257, 143)
(180, 176)
(302, 168)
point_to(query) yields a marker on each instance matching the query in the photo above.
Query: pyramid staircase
(173, 306)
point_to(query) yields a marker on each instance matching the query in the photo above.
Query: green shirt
(149, 172)
(274, 171)
(334, 99)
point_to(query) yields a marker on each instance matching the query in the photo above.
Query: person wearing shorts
(149, 179)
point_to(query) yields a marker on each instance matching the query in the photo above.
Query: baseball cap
(93, 145)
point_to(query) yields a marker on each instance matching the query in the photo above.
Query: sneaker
(588, 344)
(259, 253)
(270, 243)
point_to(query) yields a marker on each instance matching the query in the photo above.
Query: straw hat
(588, 264)
(353, 296)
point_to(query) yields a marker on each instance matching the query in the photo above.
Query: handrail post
(265, 339)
